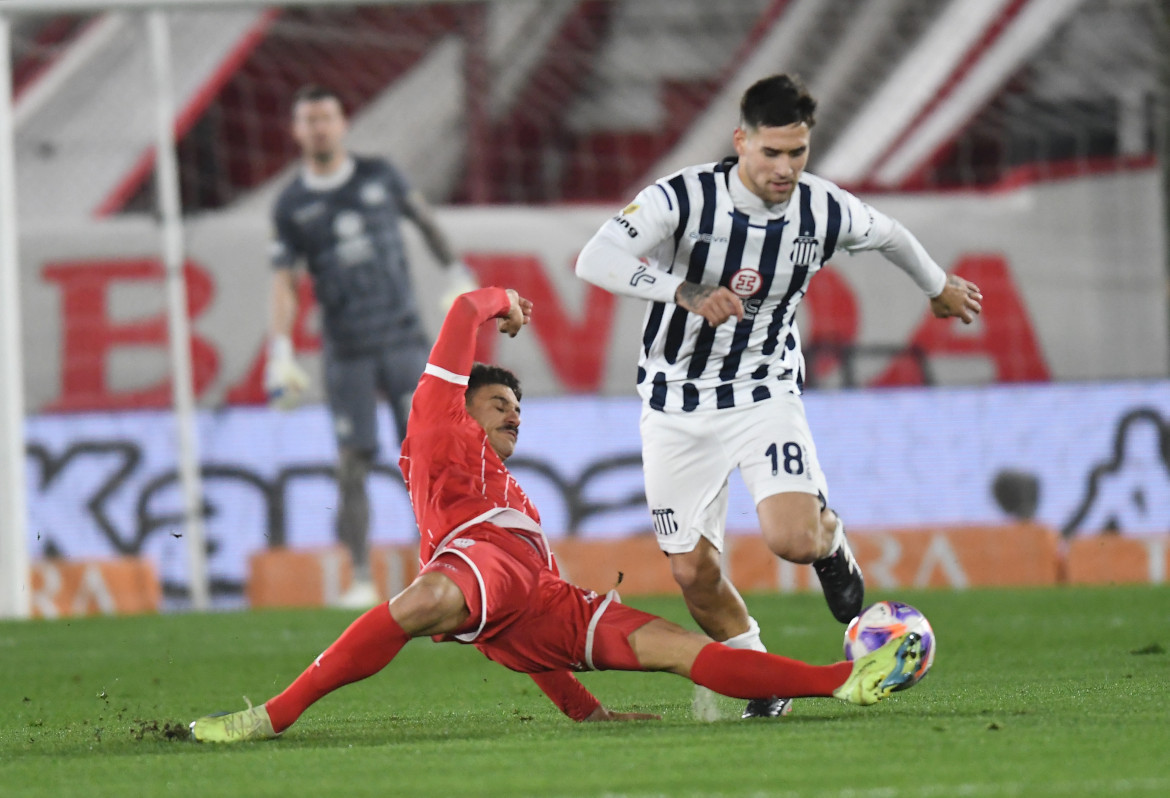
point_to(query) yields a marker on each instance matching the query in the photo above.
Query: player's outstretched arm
(571, 697)
(959, 298)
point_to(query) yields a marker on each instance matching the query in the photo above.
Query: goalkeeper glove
(460, 280)
(284, 380)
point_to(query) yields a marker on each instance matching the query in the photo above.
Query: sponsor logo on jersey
(462, 543)
(308, 213)
(804, 250)
(622, 221)
(373, 193)
(707, 238)
(664, 523)
(751, 308)
(642, 275)
(745, 282)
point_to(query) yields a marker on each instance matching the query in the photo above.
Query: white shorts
(688, 457)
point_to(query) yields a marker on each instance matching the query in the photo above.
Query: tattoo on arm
(691, 295)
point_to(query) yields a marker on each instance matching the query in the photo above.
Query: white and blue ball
(880, 622)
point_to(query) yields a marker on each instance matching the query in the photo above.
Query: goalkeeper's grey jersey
(347, 231)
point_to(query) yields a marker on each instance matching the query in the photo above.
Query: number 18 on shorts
(688, 458)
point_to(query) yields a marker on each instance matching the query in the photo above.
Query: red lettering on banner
(89, 336)
(1004, 334)
(576, 349)
(250, 389)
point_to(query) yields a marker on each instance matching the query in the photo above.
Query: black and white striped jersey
(703, 225)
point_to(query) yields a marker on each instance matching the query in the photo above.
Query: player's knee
(432, 604)
(696, 573)
(798, 540)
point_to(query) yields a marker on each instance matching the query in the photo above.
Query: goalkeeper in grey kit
(341, 217)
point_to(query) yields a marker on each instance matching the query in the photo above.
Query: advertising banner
(1072, 273)
(1078, 459)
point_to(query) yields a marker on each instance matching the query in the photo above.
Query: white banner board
(1078, 457)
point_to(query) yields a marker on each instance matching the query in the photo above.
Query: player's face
(771, 159)
(497, 410)
(319, 128)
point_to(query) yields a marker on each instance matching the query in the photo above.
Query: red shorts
(527, 618)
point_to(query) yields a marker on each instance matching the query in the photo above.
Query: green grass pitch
(1056, 692)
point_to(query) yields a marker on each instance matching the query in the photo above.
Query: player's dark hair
(312, 92)
(482, 374)
(777, 101)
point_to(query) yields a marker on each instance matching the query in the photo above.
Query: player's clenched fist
(284, 380)
(519, 314)
(959, 298)
(714, 303)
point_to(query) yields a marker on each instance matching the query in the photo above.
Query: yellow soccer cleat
(880, 672)
(252, 723)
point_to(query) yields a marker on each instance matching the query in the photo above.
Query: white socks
(749, 639)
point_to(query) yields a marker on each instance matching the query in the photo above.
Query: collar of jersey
(316, 182)
(746, 200)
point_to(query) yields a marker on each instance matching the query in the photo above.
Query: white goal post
(15, 587)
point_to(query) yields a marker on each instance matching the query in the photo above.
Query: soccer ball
(879, 622)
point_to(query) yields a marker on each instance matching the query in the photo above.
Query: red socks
(363, 649)
(740, 673)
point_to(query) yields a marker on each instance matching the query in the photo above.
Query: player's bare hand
(519, 314)
(959, 298)
(602, 714)
(714, 303)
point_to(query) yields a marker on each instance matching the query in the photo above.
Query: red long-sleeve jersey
(454, 476)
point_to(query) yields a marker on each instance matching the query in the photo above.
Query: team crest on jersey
(462, 543)
(804, 250)
(373, 194)
(348, 224)
(745, 282)
(633, 206)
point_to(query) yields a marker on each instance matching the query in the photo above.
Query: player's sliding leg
(883, 671)
(663, 646)
(432, 604)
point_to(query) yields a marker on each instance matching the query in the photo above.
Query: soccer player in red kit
(488, 577)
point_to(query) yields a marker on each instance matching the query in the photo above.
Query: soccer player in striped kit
(723, 253)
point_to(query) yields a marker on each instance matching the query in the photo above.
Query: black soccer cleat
(767, 708)
(841, 581)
